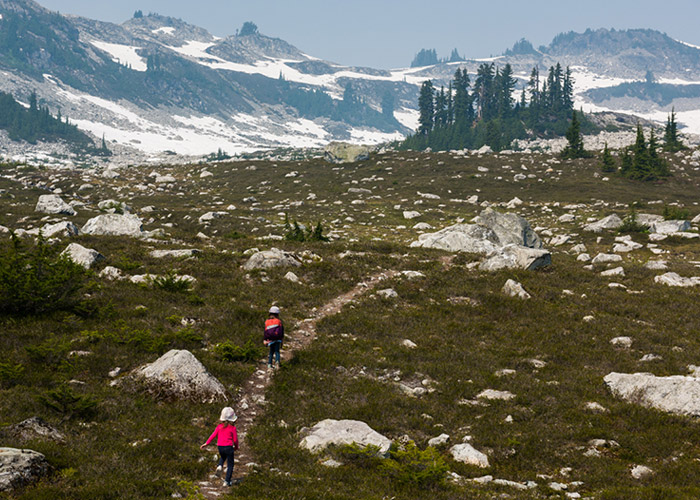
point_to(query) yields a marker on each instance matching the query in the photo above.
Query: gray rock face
(114, 225)
(20, 468)
(341, 152)
(609, 222)
(65, 228)
(178, 374)
(188, 252)
(514, 289)
(674, 279)
(340, 432)
(517, 257)
(85, 257)
(32, 428)
(268, 259)
(467, 454)
(469, 238)
(676, 394)
(509, 228)
(53, 204)
(670, 226)
(507, 240)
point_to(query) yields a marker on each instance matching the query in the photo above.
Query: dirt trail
(251, 398)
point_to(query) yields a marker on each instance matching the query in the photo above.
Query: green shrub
(170, 282)
(36, 280)
(69, 404)
(366, 457)
(415, 466)
(228, 351)
(675, 213)
(51, 352)
(630, 224)
(10, 373)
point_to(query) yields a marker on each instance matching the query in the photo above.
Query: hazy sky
(388, 33)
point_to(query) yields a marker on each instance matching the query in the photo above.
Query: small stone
(641, 471)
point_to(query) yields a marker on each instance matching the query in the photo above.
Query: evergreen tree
(426, 108)
(138, 14)
(641, 169)
(607, 162)
(483, 91)
(672, 142)
(505, 86)
(626, 162)
(440, 108)
(574, 148)
(248, 28)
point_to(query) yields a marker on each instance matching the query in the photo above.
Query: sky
(388, 33)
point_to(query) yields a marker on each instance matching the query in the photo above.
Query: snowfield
(125, 55)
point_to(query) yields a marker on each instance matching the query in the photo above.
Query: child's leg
(229, 458)
(222, 456)
(269, 356)
(277, 351)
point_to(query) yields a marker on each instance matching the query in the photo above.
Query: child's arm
(211, 438)
(235, 439)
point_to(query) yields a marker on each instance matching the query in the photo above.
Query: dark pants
(226, 454)
(274, 351)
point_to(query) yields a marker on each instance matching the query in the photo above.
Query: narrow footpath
(251, 398)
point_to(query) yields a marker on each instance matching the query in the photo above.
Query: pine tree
(574, 148)
(607, 162)
(426, 108)
(626, 162)
(672, 142)
(641, 168)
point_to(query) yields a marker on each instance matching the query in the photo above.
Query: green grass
(349, 372)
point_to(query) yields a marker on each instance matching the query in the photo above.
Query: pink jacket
(225, 436)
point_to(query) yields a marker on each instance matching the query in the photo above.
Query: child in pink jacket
(226, 440)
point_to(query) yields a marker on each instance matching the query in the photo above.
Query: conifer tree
(574, 148)
(672, 142)
(426, 108)
(607, 162)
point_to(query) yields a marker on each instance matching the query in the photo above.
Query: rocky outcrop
(506, 239)
(53, 204)
(610, 222)
(179, 375)
(340, 432)
(467, 454)
(268, 259)
(517, 257)
(341, 152)
(670, 226)
(674, 279)
(514, 289)
(676, 394)
(20, 468)
(82, 256)
(31, 428)
(511, 229)
(65, 228)
(114, 225)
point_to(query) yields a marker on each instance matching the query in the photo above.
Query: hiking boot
(218, 471)
(269, 366)
(227, 483)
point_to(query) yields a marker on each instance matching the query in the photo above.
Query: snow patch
(123, 54)
(689, 44)
(166, 30)
(407, 117)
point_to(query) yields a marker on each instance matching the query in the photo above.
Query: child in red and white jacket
(273, 336)
(227, 441)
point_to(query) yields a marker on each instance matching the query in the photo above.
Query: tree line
(470, 115)
(36, 122)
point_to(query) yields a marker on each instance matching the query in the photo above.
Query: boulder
(467, 454)
(111, 273)
(31, 428)
(114, 206)
(606, 258)
(20, 468)
(674, 279)
(388, 293)
(494, 395)
(65, 228)
(517, 257)
(641, 472)
(53, 204)
(178, 374)
(656, 265)
(469, 238)
(340, 432)
(188, 252)
(268, 259)
(85, 257)
(514, 289)
(210, 216)
(648, 219)
(114, 225)
(290, 276)
(675, 394)
(410, 214)
(696, 219)
(341, 152)
(670, 226)
(610, 222)
(510, 228)
(439, 440)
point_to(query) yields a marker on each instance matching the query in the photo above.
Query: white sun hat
(274, 310)
(228, 415)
